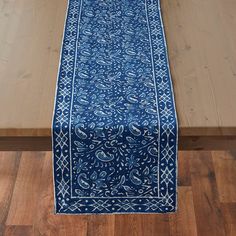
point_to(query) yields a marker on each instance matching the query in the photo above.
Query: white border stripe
(72, 92)
(173, 101)
(157, 103)
(55, 99)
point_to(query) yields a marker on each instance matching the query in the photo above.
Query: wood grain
(184, 178)
(202, 52)
(101, 225)
(9, 163)
(30, 35)
(202, 58)
(184, 222)
(26, 190)
(18, 230)
(225, 169)
(135, 225)
(26, 200)
(205, 196)
(229, 211)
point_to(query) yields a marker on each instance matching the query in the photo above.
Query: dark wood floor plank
(26, 191)
(101, 225)
(9, 163)
(208, 213)
(184, 178)
(72, 231)
(18, 230)
(142, 225)
(205, 205)
(229, 211)
(183, 223)
(225, 170)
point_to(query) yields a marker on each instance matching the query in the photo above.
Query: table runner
(114, 123)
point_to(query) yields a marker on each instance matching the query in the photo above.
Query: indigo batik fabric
(114, 124)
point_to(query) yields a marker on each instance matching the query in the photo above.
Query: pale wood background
(201, 40)
(207, 201)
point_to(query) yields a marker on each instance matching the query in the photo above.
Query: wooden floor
(207, 200)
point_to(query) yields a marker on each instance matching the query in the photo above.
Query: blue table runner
(114, 123)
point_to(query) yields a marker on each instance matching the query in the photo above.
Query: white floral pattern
(115, 125)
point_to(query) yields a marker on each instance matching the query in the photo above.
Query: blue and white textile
(114, 123)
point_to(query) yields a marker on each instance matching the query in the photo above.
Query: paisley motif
(134, 129)
(80, 133)
(83, 181)
(135, 177)
(102, 156)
